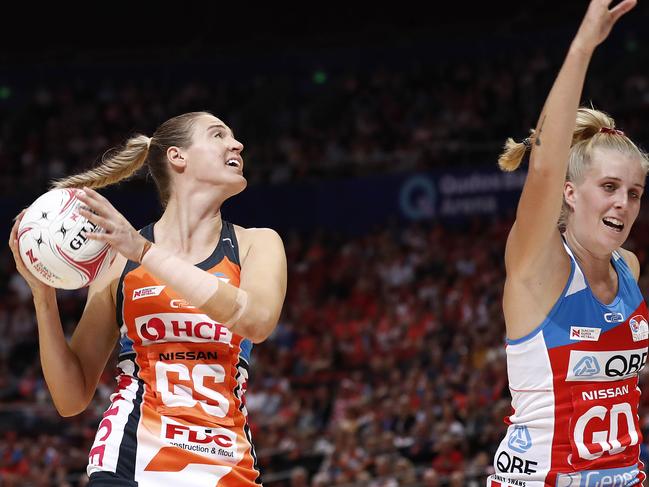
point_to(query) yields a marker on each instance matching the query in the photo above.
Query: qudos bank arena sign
(424, 196)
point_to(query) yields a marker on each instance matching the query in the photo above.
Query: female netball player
(186, 298)
(576, 321)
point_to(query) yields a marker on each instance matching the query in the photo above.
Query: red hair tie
(611, 131)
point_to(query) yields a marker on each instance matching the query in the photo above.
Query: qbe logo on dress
(520, 439)
(586, 367)
(605, 366)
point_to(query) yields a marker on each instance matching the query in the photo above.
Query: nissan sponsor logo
(594, 366)
(180, 327)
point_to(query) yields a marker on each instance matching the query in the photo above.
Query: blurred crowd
(407, 111)
(387, 367)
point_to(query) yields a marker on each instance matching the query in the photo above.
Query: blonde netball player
(576, 320)
(186, 299)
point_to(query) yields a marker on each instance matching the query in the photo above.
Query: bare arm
(263, 277)
(71, 370)
(534, 236)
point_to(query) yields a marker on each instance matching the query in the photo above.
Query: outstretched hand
(118, 232)
(599, 20)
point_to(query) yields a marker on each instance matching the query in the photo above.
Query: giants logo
(180, 303)
(180, 327)
(605, 366)
(609, 426)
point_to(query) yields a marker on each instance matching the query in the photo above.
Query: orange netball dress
(178, 415)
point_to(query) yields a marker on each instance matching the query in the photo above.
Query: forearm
(61, 367)
(233, 307)
(554, 131)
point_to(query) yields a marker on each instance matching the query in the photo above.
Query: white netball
(53, 244)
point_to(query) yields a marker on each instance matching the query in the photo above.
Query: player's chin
(237, 185)
(613, 242)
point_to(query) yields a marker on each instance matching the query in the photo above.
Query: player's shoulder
(250, 238)
(631, 260)
(255, 235)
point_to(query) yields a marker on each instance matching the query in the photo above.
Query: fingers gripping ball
(53, 244)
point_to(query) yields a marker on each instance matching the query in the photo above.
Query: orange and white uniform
(178, 416)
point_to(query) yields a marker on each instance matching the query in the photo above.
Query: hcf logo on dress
(180, 327)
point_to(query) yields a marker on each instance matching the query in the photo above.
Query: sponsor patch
(584, 334)
(613, 317)
(639, 328)
(605, 366)
(214, 442)
(597, 478)
(180, 327)
(496, 480)
(147, 292)
(520, 439)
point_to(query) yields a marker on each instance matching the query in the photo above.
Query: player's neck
(188, 229)
(597, 268)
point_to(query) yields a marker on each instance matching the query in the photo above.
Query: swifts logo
(180, 327)
(639, 328)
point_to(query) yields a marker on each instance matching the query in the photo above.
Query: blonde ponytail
(116, 165)
(514, 152)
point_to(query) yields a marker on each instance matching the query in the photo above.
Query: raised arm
(534, 235)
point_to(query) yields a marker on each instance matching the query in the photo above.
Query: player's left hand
(118, 232)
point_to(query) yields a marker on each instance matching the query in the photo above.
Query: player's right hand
(598, 22)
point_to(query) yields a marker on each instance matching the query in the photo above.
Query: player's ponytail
(116, 165)
(514, 152)
(121, 164)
